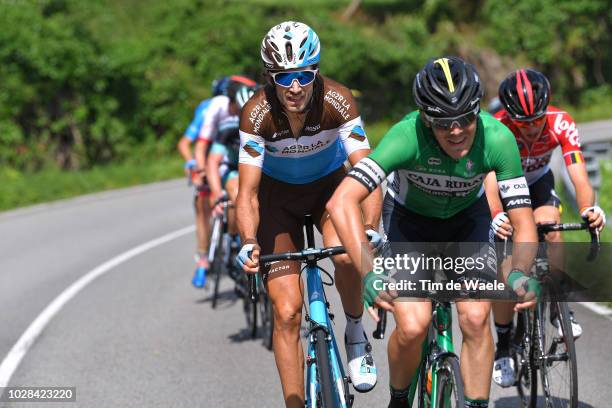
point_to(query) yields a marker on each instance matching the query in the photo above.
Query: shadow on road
(226, 299)
(513, 402)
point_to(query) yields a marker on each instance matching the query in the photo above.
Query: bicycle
(326, 382)
(260, 301)
(537, 345)
(438, 383)
(220, 255)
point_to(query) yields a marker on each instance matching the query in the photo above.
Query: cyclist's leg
(280, 231)
(412, 316)
(283, 286)
(230, 184)
(477, 348)
(203, 213)
(503, 318)
(412, 320)
(547, 209)
(361, 367)
(475, 239)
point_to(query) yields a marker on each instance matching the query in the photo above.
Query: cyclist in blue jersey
(202, 191)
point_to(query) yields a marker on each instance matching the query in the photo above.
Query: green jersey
(425, 180)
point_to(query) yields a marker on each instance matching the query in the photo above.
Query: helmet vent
(289, 51)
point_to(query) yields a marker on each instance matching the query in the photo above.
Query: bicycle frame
(320, 326)
(319, 319)
(437, 345)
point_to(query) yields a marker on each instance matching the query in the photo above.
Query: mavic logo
(519, 202)
(504, 188)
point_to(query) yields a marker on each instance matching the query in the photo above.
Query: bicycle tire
(217, 267)
(326, 389)
(527, 380)
(250, 312)
(449, 383)
(559, 373)
(267, 320)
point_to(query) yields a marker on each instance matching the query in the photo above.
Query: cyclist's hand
(595, 216)
(501, 225)
(189, 166)
(375, 239)
(374, 294)
(218, 209)
(197, 175)
(528, 289)
(248, 258)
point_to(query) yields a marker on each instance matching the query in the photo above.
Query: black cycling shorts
(466, 235)
(543, 192)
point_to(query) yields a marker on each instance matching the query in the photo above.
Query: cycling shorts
(456, 248)
(282, 207)
(543, 192)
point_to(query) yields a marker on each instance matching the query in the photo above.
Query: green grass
(377, 130)
(595, 104)
(21, 189)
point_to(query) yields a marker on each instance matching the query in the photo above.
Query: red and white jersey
(560, 129)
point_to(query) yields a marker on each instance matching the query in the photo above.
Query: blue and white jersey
(216, 117)
(195, 126)
(332, 131)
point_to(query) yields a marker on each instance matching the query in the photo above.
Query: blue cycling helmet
(219, 86)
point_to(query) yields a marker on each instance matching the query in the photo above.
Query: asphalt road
(141, 336)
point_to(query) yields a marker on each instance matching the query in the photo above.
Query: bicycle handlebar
(312, 254)
(575, 226)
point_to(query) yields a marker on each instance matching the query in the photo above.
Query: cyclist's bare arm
(372, 204)
(346, 216)
(184, 148)
(492, 193)
(247, 203)
(200, 153)
(212, 175)
(585, 197)
(524, 231)
(580, 179)
(495, 204)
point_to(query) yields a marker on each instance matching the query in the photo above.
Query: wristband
(495, 213)
(250, 241)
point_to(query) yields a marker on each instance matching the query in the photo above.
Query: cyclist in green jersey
(437, 158)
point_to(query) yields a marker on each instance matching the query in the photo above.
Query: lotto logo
(571, 133)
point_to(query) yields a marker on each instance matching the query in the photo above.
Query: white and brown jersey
(332, 131)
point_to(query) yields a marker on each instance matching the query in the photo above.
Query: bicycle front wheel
(325, 394)
(218, 265)
(449, 384)
(558, 367)
(267, 319)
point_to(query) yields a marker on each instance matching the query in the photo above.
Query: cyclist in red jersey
(539, 129)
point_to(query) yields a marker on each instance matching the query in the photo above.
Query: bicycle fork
(319, 320)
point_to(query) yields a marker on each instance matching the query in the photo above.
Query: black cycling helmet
(447, 87)
(525, 94)
(235, 83)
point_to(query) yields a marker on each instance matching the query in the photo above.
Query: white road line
(599, 309)
(27, 339)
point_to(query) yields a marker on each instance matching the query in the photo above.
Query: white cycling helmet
(290, 45)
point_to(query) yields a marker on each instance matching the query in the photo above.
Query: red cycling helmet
(525, 94)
